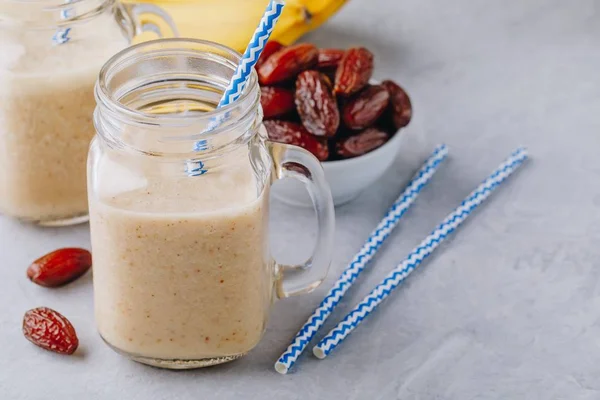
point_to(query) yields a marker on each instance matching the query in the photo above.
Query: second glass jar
(50, 56)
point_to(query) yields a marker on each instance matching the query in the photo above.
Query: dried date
(60, 267)
(354, 71)
(329, 58)
(316, 104)
(271, 48)
(276, 101)
(295, 134)
(400, 107)
(361, 143)
(50, 330)
(287, 63)
(362, 110)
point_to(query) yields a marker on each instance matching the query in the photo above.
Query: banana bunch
(232, 22)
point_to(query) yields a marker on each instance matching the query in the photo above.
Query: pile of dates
(321, 99)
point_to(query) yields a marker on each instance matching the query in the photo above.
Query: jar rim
(164, 45)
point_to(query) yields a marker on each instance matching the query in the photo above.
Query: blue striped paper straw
(252, 53)
(361, 259)
(414, 259)
(61, 36)
(240, 77)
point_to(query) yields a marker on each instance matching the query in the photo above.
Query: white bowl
(347, 178)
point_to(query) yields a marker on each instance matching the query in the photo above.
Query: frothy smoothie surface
(181, 265)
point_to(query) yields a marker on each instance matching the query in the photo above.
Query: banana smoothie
(181, 264)
(178, 195)
(46, 106)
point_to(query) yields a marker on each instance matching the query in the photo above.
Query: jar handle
(140, 13)
(295, 162)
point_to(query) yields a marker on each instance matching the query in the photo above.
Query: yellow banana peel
(232, 22)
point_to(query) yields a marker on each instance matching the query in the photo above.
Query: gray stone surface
(507, 309)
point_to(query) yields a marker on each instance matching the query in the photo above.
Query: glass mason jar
(183, 276)
(50, 54)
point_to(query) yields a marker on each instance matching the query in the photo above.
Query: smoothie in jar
(182, 264)
(179, 208)
(50, 55)
(46, 107)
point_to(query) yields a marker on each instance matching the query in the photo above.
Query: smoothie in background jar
(50, 56)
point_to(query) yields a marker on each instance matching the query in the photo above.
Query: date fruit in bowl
(400, 106)
(337, 112)
(316, 104)
(276, 101)
(292, 133)
(287, 63)
(354, 71)
(361, 143)
(365, 108)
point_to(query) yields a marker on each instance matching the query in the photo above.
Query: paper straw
(61, 36)
(252, 53)
(366, 253)
(414, 259)
(240, 77)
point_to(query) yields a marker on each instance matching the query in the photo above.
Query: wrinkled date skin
(295, 134)
(316, 105)
(271, 48)
(361, 143)
(336, 114)
(354, 71)
(329, 58)
(365, 108)
(400, 106)
(50, 330)
(276, 101)
(287, 63)
(60, 267)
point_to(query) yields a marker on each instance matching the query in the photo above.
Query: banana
(232, 22)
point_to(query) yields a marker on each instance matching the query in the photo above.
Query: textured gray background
(508, 309)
